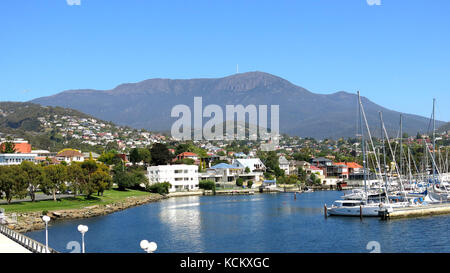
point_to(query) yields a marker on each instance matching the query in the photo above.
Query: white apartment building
(181, 177)
(16, 159)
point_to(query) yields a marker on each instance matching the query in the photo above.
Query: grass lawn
(109, 196)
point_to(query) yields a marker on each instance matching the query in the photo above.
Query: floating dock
(417, 211)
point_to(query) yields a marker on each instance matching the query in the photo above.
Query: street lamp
(82, 229)
(45, 218)
(149, 247)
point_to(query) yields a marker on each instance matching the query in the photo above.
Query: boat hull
(366, 211)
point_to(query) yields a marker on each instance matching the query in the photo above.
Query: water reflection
(183, 221)
(257, 223)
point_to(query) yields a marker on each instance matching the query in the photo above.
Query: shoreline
(31, 221)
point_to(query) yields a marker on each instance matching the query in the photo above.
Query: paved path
(9, 246)
(39, 197)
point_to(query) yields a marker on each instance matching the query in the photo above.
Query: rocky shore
(30, 221)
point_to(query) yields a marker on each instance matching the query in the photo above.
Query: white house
(224, 174)
(181, 177)
(254, 164)
(284, 164)
(70, 155)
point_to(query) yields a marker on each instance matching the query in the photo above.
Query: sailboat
(437, 192)
(363, 207)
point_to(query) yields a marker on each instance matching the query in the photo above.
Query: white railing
(25, 241)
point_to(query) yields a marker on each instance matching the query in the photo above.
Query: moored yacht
(356, 208)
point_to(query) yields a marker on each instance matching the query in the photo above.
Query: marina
(248, 223)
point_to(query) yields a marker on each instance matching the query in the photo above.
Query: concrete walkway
(9, 246)
(39, 197)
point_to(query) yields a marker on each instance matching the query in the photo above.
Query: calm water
(258, 223)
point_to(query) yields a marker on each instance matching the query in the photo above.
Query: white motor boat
(356, 208)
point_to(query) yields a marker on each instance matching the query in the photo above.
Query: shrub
(207, 185)
(239, 182)
(161, 188)
(249, 184)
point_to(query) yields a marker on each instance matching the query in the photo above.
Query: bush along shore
(29, 221)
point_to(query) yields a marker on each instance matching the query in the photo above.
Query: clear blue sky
(397, 53)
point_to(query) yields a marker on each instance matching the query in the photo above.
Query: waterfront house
(181, 177)
(254, 164)
(283, 163)
(314, 170)
(226, 175)
(354, 167)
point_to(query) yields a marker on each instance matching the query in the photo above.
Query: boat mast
(384, 152)
(434, 141)
(401, 145)
(362, 145)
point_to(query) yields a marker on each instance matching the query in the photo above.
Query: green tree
(7, 147)
(12, 182)
(160, 154)
(101, 181)
(187, 161)
(302, 175)
(124, 179)
(207, 185)
(33, 175)
(135, 156)
(110, 158)
(55, 176)
(161, 188)
(239, 182)
(77, 176)
(145, 155)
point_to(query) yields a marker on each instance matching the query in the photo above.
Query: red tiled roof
(22, 148)
(353, 165)
(69, 153)
(187, 154)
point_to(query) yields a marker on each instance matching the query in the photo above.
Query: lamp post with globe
(82, 229)
(46, 219)
(148, 247)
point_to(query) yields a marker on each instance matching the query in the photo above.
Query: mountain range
(148, 104)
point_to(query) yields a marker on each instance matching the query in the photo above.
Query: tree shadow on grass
(91, 198)
(120, 190)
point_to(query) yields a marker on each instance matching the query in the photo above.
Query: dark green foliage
(161, 188)
(110, 158)
(160, 154)
(188, 161)
(207, 185)
(12, 182)
(128, 178)
(239, 182)
(7, 148)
